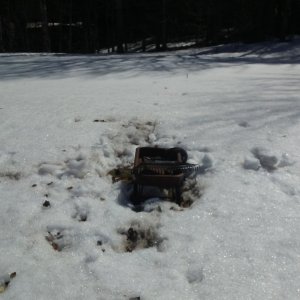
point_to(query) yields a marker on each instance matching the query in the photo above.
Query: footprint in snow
(195, 275)
(73, 167)
(263, 158)
(244, 124)
(81, 213)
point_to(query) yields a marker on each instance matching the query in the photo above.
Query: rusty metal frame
(157, 167)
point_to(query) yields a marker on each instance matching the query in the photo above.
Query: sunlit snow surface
(66, 121)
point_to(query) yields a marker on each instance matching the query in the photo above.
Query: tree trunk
(46, 38)
(285, 16)
(11, 36)
(164, 25)
(96, 29)
(60, 32)
(119, 15)
(26, 41)
(1, 37)
(70, 38)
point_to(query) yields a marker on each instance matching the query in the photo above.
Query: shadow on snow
(15, 66)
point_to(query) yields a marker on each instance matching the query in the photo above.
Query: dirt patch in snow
(59, 238)
(192, 191)
(12, 175)
(5, 281)
(140, 236)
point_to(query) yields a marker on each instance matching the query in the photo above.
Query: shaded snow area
(69, 232)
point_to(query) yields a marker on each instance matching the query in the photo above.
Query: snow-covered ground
(66, 121)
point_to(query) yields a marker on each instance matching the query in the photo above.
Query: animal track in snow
(81, 213)
(263, 158)
(8, 167)
(139, 132)
(289, 186)
(117, 146)
(76, 167)
(59, 238)
(267, 160)
(244, 124)
(12, 175)
(195, 274)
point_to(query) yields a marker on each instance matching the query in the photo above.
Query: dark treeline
(132, 25)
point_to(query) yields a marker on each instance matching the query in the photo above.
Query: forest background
(73, 26)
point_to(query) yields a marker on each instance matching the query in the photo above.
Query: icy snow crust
(66, 121)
